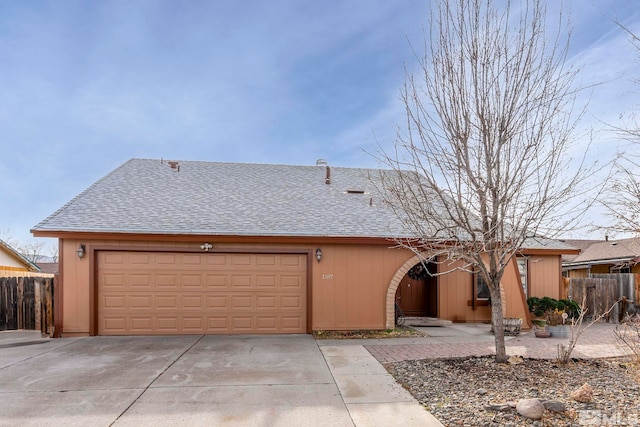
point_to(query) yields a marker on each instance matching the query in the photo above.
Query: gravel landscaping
(478, 392)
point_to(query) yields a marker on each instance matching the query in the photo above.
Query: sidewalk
(467, 340)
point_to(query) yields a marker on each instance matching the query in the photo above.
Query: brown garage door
(150, 293)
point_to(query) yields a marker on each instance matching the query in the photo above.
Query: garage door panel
(167, 324)
(192, 302)
(241, 302)
(216, 280)
(242, 260)
(240, 281)
(165, 280)
(140, 259)
(175, 293)
(292, 281)
(291, 261)
(191, 281)
(266, 281)
(165, 259)
(216, 302)
(266, 302)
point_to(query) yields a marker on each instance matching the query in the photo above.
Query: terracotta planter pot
(542, 333)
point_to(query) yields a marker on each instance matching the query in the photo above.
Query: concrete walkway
(465, 340)
(197, 380)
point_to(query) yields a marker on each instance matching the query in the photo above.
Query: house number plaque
(327, 276)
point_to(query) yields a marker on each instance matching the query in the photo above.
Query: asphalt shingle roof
(610, 250)
(210, 198)
(148, 196)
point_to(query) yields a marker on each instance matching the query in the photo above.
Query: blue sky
(86, 85)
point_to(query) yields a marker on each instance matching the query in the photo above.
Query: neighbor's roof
(609, 251)
(580, 244)
(18, 256)
(209, 198)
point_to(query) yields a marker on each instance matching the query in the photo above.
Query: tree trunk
(498, 323)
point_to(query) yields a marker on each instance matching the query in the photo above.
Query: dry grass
(399, 332)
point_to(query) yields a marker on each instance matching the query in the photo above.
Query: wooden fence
(27, 303)
(601, 291)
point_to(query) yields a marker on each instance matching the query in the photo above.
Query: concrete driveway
(285, 380)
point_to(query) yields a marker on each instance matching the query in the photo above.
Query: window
(482, 288)
(620, 269)
(480, 292)
(523, 267)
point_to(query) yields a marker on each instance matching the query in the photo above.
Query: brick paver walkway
(464, 341)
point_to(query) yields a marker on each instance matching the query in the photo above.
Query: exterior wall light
(318, 254)
(81, 251)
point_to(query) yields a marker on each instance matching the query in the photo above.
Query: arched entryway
(415, 290)
(417, 294)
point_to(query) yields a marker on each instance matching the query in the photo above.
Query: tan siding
(350, 286)
(455, 292)
(544, 276)
(10, 261)
(600, 269)
(354, 297)
(515, 306)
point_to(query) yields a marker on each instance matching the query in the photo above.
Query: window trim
(476, 301)
(525, 284)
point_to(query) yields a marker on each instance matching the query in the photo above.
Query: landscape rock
(448, 389)
(515, 360)
(500, 407)
(530, 408)
(554, 406)
(584, 394)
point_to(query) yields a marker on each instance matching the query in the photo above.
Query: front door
(411, 297)
(417, 294)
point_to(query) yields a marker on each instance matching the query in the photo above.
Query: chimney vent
(173, 164)
(327, 179)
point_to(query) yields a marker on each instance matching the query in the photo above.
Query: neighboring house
(602, 257)
(160, 247)
(12, 262)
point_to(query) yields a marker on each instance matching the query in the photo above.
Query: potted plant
(511, 325)
(540, 328)
(555, 320)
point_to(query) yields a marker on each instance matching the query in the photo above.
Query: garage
(157, 293)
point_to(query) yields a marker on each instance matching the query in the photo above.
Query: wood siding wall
(349, 287)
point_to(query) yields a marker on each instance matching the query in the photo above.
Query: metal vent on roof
(355, 192)
(321, 162)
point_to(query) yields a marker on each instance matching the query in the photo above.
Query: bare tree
(30, 250)
(623, 198)
(484, 161)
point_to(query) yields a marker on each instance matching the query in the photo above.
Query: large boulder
(584, 394)
(530, 408)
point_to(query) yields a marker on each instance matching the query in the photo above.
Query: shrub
(541, 306)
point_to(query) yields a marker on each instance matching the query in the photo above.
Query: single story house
(603, 257)
(13, 263)
(193, 247)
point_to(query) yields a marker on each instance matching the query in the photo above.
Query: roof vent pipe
(327, 180)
